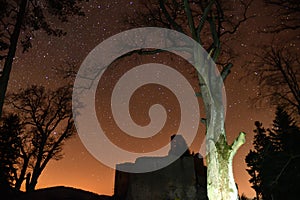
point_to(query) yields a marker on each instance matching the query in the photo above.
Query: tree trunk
(31, 184)
(220, 179)
(4, 78)
(36, 172)
(21, 178)
(27, 184)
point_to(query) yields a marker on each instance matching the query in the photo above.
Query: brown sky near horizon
(78, 168)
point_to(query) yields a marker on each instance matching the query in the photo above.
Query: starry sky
(105, 18)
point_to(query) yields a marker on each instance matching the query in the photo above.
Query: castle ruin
(184, 179)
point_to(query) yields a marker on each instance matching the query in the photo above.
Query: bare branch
(226, 71)
(239, 141)
(235, 27)
(288, 14)
(174, 24)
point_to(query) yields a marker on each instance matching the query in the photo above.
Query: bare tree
(47, 120)
(206, 22)
(278, 74)
(287, 12)
(27, 16)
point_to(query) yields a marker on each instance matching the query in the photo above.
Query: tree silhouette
(28, 16)
(47, 120)
(243, 197)
(288, 13)
(279, 161)
(279, 78)
(277, 66)
(10, 144)
(280, 169)
(254, 159)
(284, 128)
(206, 22)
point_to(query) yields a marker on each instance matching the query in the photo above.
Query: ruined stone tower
(184, 179)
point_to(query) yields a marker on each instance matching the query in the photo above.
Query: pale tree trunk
(220, 179)
(219, 158)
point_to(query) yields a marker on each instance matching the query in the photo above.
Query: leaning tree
(18, 22)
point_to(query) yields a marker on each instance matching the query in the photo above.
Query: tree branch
(204, 18)
(226, 71)
(239, 141)
(236, 26)
(190, 18)
(176, 26)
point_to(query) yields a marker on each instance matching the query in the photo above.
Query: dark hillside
(61, 193)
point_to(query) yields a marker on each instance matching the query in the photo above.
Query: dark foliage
(10, 143)
(255, 158)
(274, 163)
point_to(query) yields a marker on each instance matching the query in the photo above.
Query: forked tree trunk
(220, 179)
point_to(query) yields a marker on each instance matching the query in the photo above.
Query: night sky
(104, 19)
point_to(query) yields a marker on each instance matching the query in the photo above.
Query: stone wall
(184, 179)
